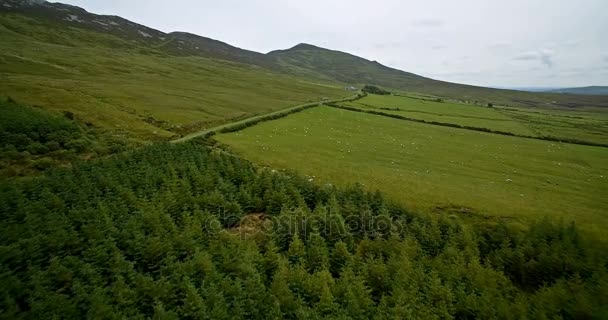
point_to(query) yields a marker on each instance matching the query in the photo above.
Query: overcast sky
(510, 43)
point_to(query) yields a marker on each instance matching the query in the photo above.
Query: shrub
(374, 90)
(78, 145)
(43, 163)
(37, 148)
(68, 115)
(53, 145)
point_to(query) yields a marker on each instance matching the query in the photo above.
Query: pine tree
(353, 295)
(326, 306)
(317, 253)
(160, 313)
(193, 305)
(289, 304)
(340, 257)
(297, 252)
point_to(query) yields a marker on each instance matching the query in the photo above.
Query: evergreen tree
(297, 252)
(317, 256)
(340, 258)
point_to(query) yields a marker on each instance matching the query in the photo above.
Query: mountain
(120, 75)
(175, 43)
(592, 90)
(345, 67)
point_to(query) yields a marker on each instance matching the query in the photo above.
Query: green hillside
(136, 87)
(118, 74)
(344, 67)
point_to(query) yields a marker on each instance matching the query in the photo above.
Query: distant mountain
(531, 89)
(303, 60)
(592, 90)
(344, 67)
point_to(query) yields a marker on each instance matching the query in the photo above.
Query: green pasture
(434, 168)
(581, 124)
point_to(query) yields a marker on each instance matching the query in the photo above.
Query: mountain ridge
(587, 90)
(303, 59)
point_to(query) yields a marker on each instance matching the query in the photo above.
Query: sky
(510, 43)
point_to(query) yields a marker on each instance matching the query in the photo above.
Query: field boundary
(480, 129)
(245, 123)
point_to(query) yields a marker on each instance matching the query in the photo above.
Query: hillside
(121, 75)
(116, 77)
(593, 90)
(68, 25)
(174, 43)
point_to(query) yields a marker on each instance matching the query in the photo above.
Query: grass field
(582, 124)
(434, 168)
(586, 125)
(121, 85)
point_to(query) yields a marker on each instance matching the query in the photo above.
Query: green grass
(446, 112)
(121, 85)
(581, 124)
(432, 168)
(585, 125)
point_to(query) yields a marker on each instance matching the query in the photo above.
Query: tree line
(368, 88)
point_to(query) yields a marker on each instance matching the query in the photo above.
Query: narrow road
(220, 127)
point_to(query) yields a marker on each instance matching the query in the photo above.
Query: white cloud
(530, 55)
(545, 56)
(500, 45)
(572, 42)
(429, 22)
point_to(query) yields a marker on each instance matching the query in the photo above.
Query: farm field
(434, 168)
(447, 112)
(586, 125)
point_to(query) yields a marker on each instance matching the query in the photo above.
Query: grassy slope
(330, 64)
(585, 125)
(428, 167)
(121, 85)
